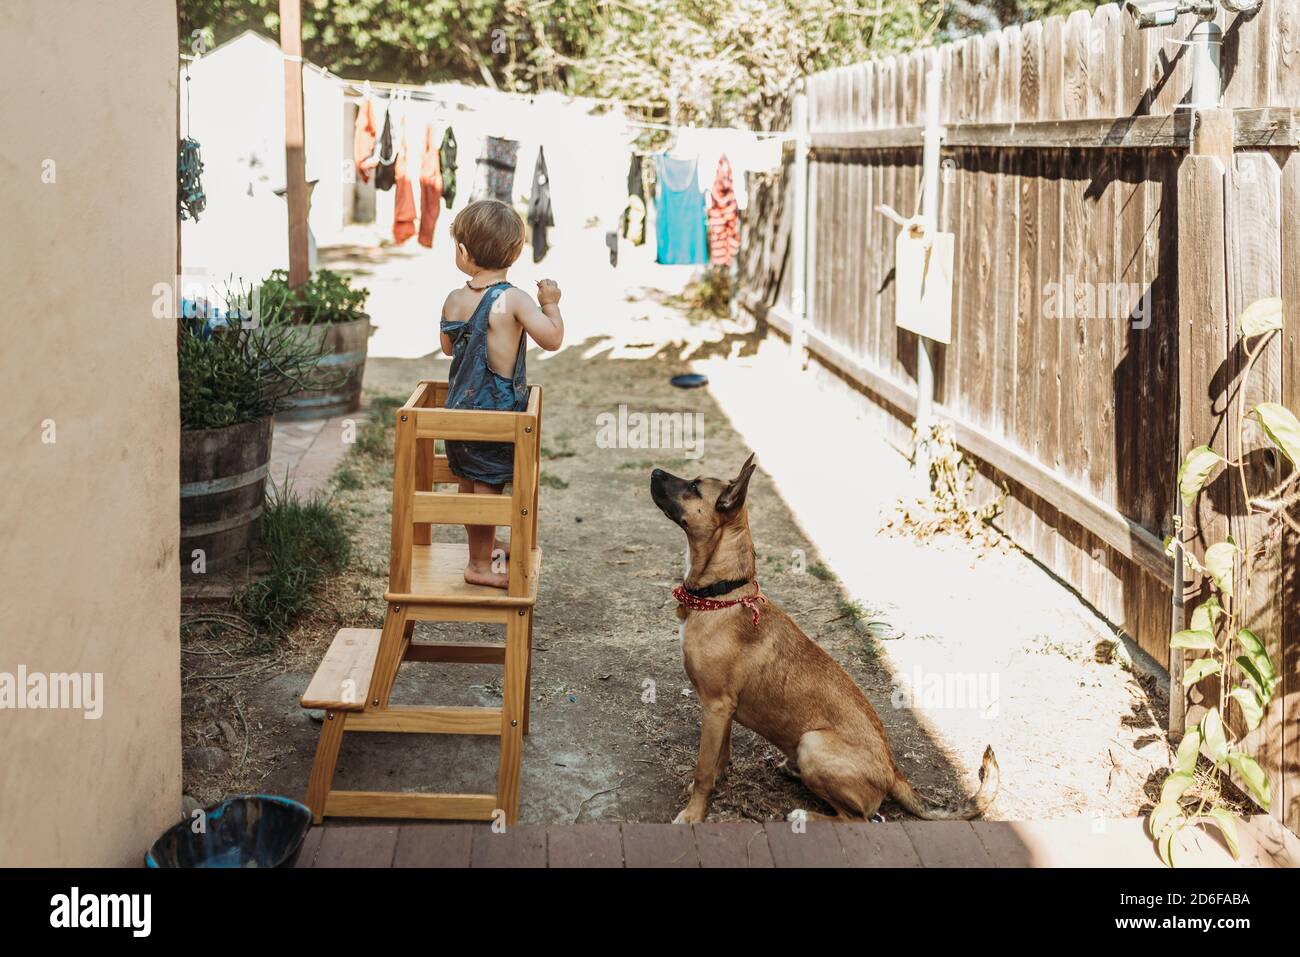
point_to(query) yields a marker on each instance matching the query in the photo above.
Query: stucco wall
(89, 581)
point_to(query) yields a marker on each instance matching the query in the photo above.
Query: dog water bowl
(251, 830)
(689, 380)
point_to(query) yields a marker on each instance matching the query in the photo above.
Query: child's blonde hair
(491, 232)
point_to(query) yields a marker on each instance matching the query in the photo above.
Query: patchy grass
(348, 478)
(821, 572)
(303, 541)
(642, 464)
(552, 481)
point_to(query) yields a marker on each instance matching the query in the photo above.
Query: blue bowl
(689, 380)
(249, 830)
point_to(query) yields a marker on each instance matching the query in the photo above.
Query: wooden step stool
(426, 583)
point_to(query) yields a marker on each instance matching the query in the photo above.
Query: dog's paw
(686, 816)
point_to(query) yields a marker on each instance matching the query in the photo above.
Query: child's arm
(544, 323)
(444, 339)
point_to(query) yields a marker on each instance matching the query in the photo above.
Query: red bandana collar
(693, 603)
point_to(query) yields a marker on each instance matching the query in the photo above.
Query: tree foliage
(692, 60)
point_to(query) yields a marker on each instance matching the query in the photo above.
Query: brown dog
(770, 676)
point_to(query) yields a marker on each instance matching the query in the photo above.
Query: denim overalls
(474, 385)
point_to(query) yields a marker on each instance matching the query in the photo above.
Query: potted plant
(234, 376)
(330, 315)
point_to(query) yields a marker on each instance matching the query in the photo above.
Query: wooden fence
(1076, 188)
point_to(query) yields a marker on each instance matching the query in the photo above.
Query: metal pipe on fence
(933, 139)
(799, 232)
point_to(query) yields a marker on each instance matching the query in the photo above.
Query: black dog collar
(717, 588)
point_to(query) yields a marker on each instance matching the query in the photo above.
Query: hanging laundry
(385, 172)
(363, 140)
(447, 162)
(404, 197)
(540, 216)
(724, 218)
(633, 219)
(496, 170)
(680, 224)
(189, 180)
(430, 188)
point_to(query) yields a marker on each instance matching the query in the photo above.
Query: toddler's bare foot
(482, 574)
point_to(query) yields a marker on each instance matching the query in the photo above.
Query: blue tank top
(681, 224)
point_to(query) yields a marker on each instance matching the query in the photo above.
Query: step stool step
(452, 807)
(342, 681)
(438, 576)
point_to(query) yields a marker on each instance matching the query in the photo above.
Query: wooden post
(1203, 337)
(295, 162)
(799, 233)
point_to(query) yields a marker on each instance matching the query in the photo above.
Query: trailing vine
(1192, 795)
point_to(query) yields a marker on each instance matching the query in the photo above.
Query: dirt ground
(923, 628)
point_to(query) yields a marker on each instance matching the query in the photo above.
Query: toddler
(483, 328)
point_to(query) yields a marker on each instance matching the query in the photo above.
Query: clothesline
(421, 95)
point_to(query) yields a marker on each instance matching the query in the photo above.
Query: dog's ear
(733, 496)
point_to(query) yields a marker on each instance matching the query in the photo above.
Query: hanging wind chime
(190, 198)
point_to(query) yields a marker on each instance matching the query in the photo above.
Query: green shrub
(232, 374)
(325, 297)
(302, 542)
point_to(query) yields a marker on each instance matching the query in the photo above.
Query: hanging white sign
(923, 281)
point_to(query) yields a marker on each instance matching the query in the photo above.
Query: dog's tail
(975, 806)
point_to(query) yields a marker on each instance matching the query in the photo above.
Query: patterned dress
(724, 217)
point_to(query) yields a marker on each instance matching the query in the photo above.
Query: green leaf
(1198, 640)
(1199, 669)
(1188, 750)
(1162, 816)
(1168, 848)
(1224, 820)
(1196, 468)
(1282, 428)
(1175, 785)
(1206, 614)
(1261, 317)
(1260, 667)
(1212, 733)
(1253, 777)
(1218, 563)
(1251, 709)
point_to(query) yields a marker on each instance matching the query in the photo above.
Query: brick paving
(308, 451)
(1076, 842)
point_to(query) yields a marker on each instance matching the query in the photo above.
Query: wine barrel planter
(345, 354)
(223, 483)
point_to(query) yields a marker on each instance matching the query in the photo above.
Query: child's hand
(548, 292)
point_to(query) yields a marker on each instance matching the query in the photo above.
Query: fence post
(295, 176)
(799, 232)
(1202, 360)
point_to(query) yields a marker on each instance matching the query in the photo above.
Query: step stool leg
(392, 644)
(513, 698)
(528, 673)
(322, 768)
